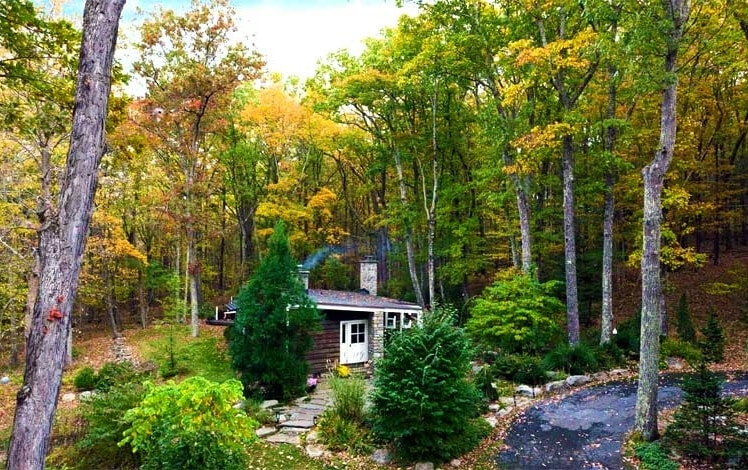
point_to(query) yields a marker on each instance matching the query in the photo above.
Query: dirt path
(585, 430)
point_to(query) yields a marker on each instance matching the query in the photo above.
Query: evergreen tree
(272, 332)
(423, 402)
(686, 330)
(704, 426)
(713, 345)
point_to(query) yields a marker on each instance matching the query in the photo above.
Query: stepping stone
(303, 416)
(281, 438)
(312, 406)
(299, 423)
(290, 430)
(268, 404)
(315, 451)
(265, 431)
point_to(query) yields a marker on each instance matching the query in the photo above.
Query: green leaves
(517, 313)
(192, 425)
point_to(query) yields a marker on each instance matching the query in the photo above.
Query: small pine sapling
(713, 344)
(686, 330)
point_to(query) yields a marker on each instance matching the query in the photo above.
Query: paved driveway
(585, 430)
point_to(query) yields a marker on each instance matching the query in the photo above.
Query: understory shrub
(113, 373)
(341, 427)
(192, 425)
(629, 334)
(519, 368)
(104, 422)
(653, 457)
(672, 347)
(485, 382)
(713, 344)
(85, 379)
(704, 426)
(340, 434)
(609, 356)
(573, 360)
(517, 314)
(531, 372)
(683, 321)
(423, 402)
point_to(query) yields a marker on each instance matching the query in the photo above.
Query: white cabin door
(354, 342)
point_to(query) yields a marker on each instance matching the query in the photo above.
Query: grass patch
(266, 456)
(205, 355)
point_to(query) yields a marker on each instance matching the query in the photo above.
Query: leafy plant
(338, 434)
(517, 313)
(192, 425)
(113, 373)
(103, 417)
(573, 360)
(684, 323)
(272, 332)
(531, 371)
(680, 348)
(423, 403)
(85, 379)
(653, 457)
(349, 398)
(629, 335)
(713, 344)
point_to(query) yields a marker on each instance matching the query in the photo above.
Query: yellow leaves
(561, 53)
(542, 137)
(323, 198)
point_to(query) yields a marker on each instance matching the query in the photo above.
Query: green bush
(192, 425)
(423, 402)
(85, 379)
(103, 420)
(531, 371)
(573, 360)
(113, 373)
(348, 398)
(684, 323)
(704, 425)
(517, 314)
(681, 348)
(485, 382)
(339, 434)
(713, 344)
(654, 457)
(741, 405)
(629, 335)
(609, 356)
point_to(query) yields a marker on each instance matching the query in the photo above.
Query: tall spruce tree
(272, 331)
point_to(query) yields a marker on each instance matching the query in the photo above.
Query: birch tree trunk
(62, 238)
(606, 328)
(408, 232)
(570, 242)
(677, 12)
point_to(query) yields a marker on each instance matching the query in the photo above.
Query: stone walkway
(298, 419)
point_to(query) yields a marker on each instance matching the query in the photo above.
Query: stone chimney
(303, 275)
(369, 274)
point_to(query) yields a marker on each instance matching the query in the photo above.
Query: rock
(675, 363)
(528, 391)
(268, 404)
(281, 438)
(68, 397)
(600, 375)
(424, 466)
(505, 412)
(312, 437)
(87, 394)
(315, 451)
(382, 456)
(492, 421)
(574, 380)
(553, 386)
(457, 463)
(5, 380)
(507, 401)
(494, 407)
(618, 372)
(300, 423)
(265, 431)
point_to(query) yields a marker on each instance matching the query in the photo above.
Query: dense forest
(474, 137)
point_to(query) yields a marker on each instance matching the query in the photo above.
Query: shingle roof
(341, 299)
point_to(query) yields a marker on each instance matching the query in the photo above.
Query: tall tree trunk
(606, 328)
(109, 294)
(409, 248)
(653, 175)
(142, 303)
(570, 245)
(62, 238)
